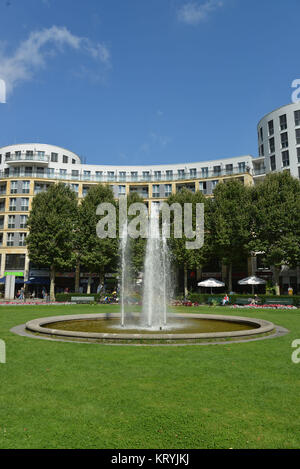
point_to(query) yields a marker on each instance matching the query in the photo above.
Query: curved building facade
(279, 141)
(29, 168)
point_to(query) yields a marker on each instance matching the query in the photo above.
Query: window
(168, 190)
(283, 122)
(272, 163)
(28, 171)
(261, 133)
(50, 172)
(156, 190)
(204, 172)
(146, 175)
(75, 188)
(297, 117)
(14, 261)
(3, 189)
(272, 145)
(11, 221)
(41, 153)
(12, 204)
(193, 173)
(134, 175)
(0, 159)
(229, 168)
(261, 150)
(242, 167)
(75, 173)
(54, 157)
(18, 155)
(10, 239)
(169, 174)
(62, 172)
(85, 190)
(299, 172)
(65, 159)
(14, 187)
(217, 169)
(181, 173)
(157, 175)
(73, 161)
(298, 136)
(22, 239)
(285, 159)
(122, 190)
(284, 140)
(87, 175)
(271, 128)
(23, 221)
(214, 184)
(25, 187)
(99, 175)
(24, 204)
(298, 154)
(111, 175)
(203, 186)
(122, 175)
(29, 154)
(7, 156)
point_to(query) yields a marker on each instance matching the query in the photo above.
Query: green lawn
(72, 395)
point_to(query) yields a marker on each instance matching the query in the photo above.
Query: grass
(71, 395)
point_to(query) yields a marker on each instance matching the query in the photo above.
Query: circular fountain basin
(181, 328)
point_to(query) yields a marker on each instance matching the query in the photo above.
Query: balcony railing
(27, 158)
(259, 171)
(50, 174)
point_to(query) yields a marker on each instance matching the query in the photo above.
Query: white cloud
(194, 13)
(155, 140)
(31, 54)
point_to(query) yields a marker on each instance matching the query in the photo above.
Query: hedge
(66, 297)
(202, 298)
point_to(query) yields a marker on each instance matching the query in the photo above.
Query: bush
(203, 298)
(66, 297)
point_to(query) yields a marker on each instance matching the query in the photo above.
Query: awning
(38, 281)
(18, 280)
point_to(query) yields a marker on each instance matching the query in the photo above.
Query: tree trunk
(52, 283)
(185, 272)
(89, 285)
(230, 277)
(77, 277)
(276, 276)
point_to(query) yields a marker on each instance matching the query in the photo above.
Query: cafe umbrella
(252, 281)
(211, 283)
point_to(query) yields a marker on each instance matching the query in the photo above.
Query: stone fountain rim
(261, 327)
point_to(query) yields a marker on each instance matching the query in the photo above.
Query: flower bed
(267, 306)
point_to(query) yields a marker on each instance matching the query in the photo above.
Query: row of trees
(239, 220)
(243, 220)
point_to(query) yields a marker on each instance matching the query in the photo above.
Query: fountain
(152, 324)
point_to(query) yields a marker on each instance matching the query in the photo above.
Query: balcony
(259, 171)
(117, 178)
(25, 158)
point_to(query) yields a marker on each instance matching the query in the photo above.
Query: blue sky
(145, 81)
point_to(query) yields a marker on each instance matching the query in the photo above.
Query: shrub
(66, 297)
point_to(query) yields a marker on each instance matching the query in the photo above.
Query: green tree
(183, 257)
(276, 221)
(51, 230)
(229, 223)
(95, 254)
